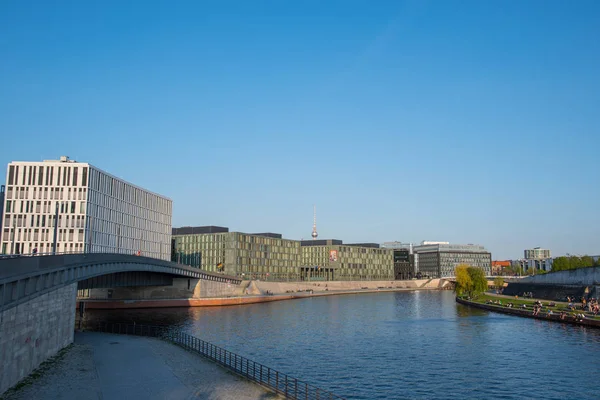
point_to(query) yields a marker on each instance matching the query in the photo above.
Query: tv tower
(314, 232)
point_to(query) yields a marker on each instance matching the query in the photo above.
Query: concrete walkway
(106, 366)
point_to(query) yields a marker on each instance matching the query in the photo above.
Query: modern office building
(333, 260)
(404, 259)
(91, 210)
(268, 256)
(533, 266)
(537, 253)
(248, 255)
(440, 260)
(2, 187)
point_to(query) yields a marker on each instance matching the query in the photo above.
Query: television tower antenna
(314, 232)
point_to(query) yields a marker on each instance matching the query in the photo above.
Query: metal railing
(278, 382)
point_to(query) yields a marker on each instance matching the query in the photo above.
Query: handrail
(280, 383)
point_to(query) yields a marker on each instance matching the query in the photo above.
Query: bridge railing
(280, 383)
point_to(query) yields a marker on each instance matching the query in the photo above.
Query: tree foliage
(573, 262)
(499, 282)
(470, 281)
(463, 280)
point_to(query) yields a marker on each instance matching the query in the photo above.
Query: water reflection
(397, 345)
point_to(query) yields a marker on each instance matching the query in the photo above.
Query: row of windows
(99, 213)
(122, 206)
(46, 207)
(22, 193)
(20, 221)
(119, 189)
(27, 248)
(44, 235)
(44, 175)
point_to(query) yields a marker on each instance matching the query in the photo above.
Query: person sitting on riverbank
(563, 315)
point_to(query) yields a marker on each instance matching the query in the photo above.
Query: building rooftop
(371, 245)
(450, 248)
(321, 242)
(197, 230)
(268, 234)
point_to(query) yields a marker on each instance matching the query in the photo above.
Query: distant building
(498, 267)
(404, 260)
(251, 256)
(333, 260)
(537, 253)
(269, 256)
(440, 260)
(92, 210)
(530, 266)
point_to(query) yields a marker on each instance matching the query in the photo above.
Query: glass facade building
(267, 256)
(334, 260)
(250, 256)
(88, 209)
(537, 253)
(440, 260)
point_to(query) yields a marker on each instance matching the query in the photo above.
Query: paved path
(106, 366)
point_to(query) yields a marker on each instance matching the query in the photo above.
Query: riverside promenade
(107, 366)
(568, 318)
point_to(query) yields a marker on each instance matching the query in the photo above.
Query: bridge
(38, 295)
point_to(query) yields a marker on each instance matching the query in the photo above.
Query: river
(396, 345)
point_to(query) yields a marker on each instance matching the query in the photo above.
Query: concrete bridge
(38, 294)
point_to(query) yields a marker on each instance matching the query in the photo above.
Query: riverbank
(568, 318)
(290, 291)
(107, 366)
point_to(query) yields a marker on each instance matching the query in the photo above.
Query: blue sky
(470, 121)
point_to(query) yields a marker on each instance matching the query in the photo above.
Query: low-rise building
(268, 256)
(334, 260)
(441, 260)
(250, 256)
(498, 267)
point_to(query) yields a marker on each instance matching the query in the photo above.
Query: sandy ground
(106, 366)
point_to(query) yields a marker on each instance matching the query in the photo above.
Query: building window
(11, 174)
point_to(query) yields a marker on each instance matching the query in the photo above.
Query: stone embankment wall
(583, 277)
(34, 331)
(260, 287)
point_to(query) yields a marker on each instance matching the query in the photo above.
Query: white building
(96, 212)
(537, 253)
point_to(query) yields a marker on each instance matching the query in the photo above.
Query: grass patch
(37, 373)
(518, 303)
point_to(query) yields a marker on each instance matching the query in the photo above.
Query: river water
(397, 345)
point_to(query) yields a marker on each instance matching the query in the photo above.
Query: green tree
(587, 261)
(470, 281)
(561, 264)
(479, 283)
(499, 282)
(597, 262)
(463, 280)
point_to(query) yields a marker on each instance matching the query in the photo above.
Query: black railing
(278, 382)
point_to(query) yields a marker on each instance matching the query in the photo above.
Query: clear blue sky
(465, 121)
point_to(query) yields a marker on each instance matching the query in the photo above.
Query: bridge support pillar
(34, 331)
